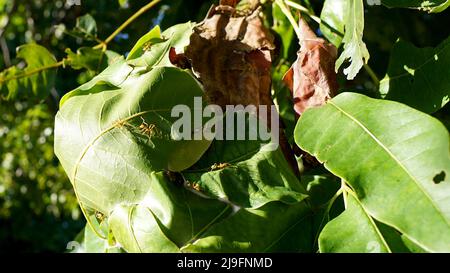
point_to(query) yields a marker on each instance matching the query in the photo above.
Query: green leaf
(88, 242)
(89, 58)
(145, 42)
(155, 51)
(352, 231)
(354, 48)
(253, 175)
(332, 20)
(85, 28)
(36, 79)
(276, 227)
(425, 5)
(417, 76)
(320, 188)
(283, 28)
(396, 159)
(168, 217)
(123, 3)
(101, 146)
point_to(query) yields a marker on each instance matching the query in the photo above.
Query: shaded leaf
(416, 76)
(168, 217)
(246, 173)
(154, 50)
(358, 138)
(333, 20)
(276, 227)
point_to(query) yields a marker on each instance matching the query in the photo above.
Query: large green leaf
(283, 28)
(252, 175)
(145, 43)
(276, 227)
(352, 231)
(355, 49)
(154, 50)
(426, 5)
(168, 217)
(396, 159)
(418, 76)
(33, 80)
(333, 20)
(103, 150)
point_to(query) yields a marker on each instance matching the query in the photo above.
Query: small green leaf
(332, 20)
(283, 27)
(359, 138)
(145, 43)
(355, 49)
(276, 227)
(352, 231)
(89, 58)
(35, 79)
(417, 76)
(155, 51)
(86, 27)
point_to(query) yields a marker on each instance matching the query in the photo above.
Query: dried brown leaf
(312, 78)
(231, 55)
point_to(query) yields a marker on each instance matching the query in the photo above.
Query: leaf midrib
(371, 135)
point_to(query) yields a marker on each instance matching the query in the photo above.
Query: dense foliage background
(38, 209)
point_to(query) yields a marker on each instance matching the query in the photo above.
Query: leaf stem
(372, 74)
(289, 16)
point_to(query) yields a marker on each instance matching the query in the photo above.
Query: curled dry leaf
(312, 78)
(231, 54)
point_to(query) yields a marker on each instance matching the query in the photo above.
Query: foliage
(384, 182)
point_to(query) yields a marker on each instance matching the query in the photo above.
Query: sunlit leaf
(395, 158)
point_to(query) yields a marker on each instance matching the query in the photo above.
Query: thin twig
(127, 22)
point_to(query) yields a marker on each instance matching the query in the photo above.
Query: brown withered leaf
(231, 3)
(312, 78)
(231, 55)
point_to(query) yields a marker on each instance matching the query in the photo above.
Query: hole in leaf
(438, 178)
